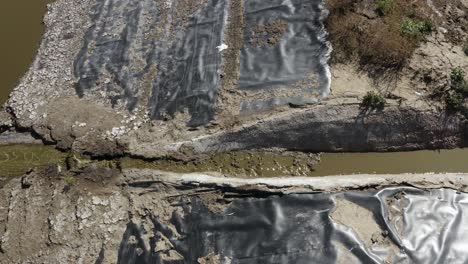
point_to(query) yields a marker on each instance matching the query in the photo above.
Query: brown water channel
(21, 29)
(15, 160)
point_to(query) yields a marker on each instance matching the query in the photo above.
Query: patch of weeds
(382, 44)
(457, 75)
(458, 81)
(373, 100)
(70, 181)
(384, 6)
(415, 28)
(455, 97)
(454, 101)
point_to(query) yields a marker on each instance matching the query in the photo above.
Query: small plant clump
(69, 181)
(458, 81)
(382, 44)
(416, 28)
(457, 75)
(373, 100)
(454, 101)
(458, 92)
(384, 6)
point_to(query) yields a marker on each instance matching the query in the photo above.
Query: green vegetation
(458, 81)
(69, 180)
(382, 44)
(454, 101)
(384, 6)
(458, 92)
(415, 28)
(373, 100)
(457, 75)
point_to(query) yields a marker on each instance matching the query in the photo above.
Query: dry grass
(376, 39)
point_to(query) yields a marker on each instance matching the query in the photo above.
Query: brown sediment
(228, 99)
(302, 88)
(268, 33)
(361, 220)
(15, 160)
(185, 8)
(84, 119)
(239, 164)
(209, 259)
(147, 85)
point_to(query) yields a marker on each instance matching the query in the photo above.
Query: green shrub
(455, 97)
(454, 101)
(384, 6)
(373, 100)
(415, 28)
(458, 81)
(461, 87)
(378, 44)
(457, 75)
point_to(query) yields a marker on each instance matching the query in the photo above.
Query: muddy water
(455, 160)
(242, 164)
(20, 30)
(15, 160)
(274, 165)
